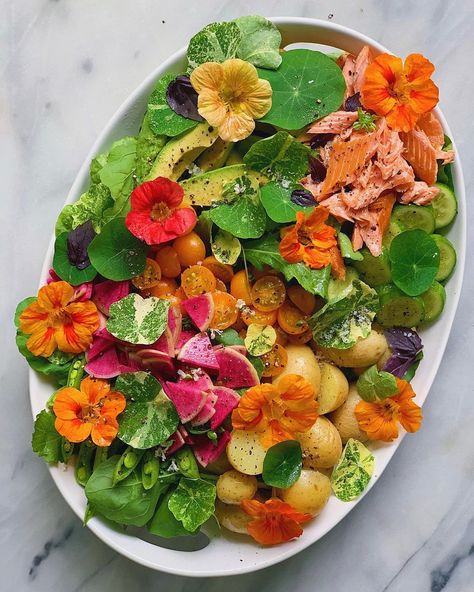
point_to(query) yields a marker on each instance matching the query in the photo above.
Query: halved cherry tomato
(190, 249)
(150, 276)
(163, 287)
(274, 361)
(167, 259)
(301, 338)
(197, 280)
(302, 299)
(220, 286)
(220, 270)
(291, 319)
(240, 287)
(225, 311)
(282, 337)
(251, 315)
(268, 293)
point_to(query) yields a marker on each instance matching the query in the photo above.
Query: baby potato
(309, 494)
(302, 361)
(232, 517)
(220, 465)
(365, 352)
(245, 452)
(321, 445)
(334, 388)
(344, 418)
(232, 487)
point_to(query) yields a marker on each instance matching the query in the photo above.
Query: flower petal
(42, 342)
(113, 405)
(33, 318)
(73, 430)
(55, 295)
(94, 389)
(208, 76)
(236, 127)
(69, 402)
(418, 69)
(103, 434)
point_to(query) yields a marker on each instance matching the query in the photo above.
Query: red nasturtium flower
(90, 411)
(274, 521)
(156, 214)
(56, 321)
(401, 92)
(379, 419)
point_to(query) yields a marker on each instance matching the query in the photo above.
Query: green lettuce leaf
(347, 251)
(260, 43)
(217, 42)
(46, 441)
(149, 145)
(117, 172)
(138, 320)
(341, 322)
(90, 206)
(353, 472)
(192, 502)
(276, 199)
(374, 385)
(162, 119)
(96, 166)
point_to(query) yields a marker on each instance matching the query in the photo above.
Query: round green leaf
(353, 472)
(138, 320)
(276, 200)
(225, 247)
(192, 502)
(62, 266)
(282, 464)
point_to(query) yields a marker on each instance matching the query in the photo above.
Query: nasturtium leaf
(138, 320)
(163, 523)
(192, 502)
(229, 337)
(65, 269)
(163, 120)
(374, 385)
(415, 261)
(353, 472)
(225, 247)
(21, 307)
(278, 202)
(245, 216)
(282, 464)
(182, 98)
(260, 43)
(308, 85)
(92, 206)
(46, 441)
(217, 42)
(346, 249)
(280, 157)
(265, 251)
(149, 145)
(340, 323)
(149, 418)
(120, 165)
(116, 254)
(259, 340)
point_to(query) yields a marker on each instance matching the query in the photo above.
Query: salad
(232, 315)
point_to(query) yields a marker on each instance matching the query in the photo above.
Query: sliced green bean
(76, 372)
(186, 462)
(126, 463)
(150, 469)
(84, 462)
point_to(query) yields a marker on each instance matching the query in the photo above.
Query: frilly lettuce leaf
(260, 42)
(90, 206)
(340, 323)
(215, 43)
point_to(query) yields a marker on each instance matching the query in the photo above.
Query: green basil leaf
(345, 245)
(282, 464)
(62, 266)
(192, 502)
(163, 120)
(353, 472)
(308, 85)
(260, 43)
(374, 385)
(276, 199)
(217, 42)
(116, 254)
(138, 320)
(46, 441)
(415, 261)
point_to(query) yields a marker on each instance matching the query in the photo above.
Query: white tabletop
(66, 65)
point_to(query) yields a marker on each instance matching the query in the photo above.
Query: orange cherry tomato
(282, 337)
(197, 280)
(190, 249)
(164, 287)
(274, 361)
(302, 338)
(301, 299)
(268, 293)
(167, 259)
(220, 285)
(240, 287)
(222, 271)
(258, 317)
(150, 276)
(291, 319)
(225, 311)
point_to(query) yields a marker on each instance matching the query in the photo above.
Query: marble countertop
(66, 65)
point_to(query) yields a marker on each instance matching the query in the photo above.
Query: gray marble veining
(66, 65)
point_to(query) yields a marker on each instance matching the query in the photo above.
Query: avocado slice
(180, 152)
(206, 189)
(214, 157)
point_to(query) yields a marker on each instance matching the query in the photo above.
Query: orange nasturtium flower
(231, 96)
(274, 521)
(55, 321)
(90, 411)
(379, 419)
(310, 240)
(400, 92)
(278, 411)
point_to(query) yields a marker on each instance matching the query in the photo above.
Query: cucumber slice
(393, 230)
(337, 287)
(374, 271)
(445, 206)
(397, 309)
(434, 300)
(447, 257)
(410, 217)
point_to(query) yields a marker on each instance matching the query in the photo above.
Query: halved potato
(245, 452)
(232, 487)
(232, 517)
(321, 445)
(334, 388)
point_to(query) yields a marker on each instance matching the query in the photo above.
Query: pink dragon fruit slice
(175, 323)
(227, 399)
(198, 352)
(206, 450)
(183, 338)
(187, 399)
(108, 292)
(178, 442)
(206, 412)
(200, 310)
(235, 371)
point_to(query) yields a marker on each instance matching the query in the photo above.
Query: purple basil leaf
(405, 346)
(317, 169)
(302, 198)
(353, 103)
(182, 98)
(77, 242)
(319, 140)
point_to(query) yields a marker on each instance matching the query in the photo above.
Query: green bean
(76, 371)
(100, 455)
(126, 463)
(84, 462)
(186, 462)
(67, 449)
(150, 469)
